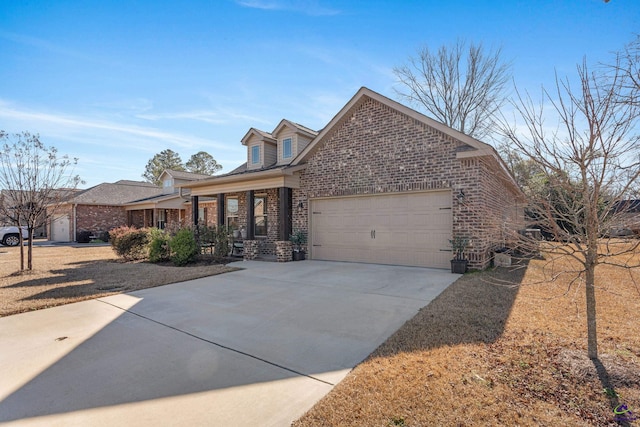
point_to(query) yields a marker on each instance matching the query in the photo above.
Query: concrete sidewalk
(253, 347)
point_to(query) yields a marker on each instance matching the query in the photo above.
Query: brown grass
(487, 353)
(65, 274)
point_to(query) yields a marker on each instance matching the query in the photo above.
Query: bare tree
(462, 88)
(587, 167)
(34, 181)
(629, 63)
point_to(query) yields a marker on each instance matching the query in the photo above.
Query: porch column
(284, 200)
(194, 210)
(251, 215)
(221, 208)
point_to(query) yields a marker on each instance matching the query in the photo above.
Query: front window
(232, 213)
(286, 148)
(162, 219)
(260, 215)
(255, 154)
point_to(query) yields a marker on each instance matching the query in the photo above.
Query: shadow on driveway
(254, 347)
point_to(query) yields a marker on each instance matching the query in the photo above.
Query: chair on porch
(237, 248)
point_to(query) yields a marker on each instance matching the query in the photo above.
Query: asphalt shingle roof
(117, 193)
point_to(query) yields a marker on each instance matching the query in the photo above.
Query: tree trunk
(30, 251)
(592, 337)
(21, 248)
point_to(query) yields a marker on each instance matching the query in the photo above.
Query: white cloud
(308, 7)
(217, 116)
(48, 46)
(90, 130)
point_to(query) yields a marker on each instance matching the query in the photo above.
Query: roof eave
(245, 176)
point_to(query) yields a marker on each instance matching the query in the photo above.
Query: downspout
(183, 196)
(75, 222)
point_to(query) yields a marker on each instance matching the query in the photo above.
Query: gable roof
(260, 134)
(472, 148)
(190, 176)
(475, 148)
(115, 194)
(297, 127)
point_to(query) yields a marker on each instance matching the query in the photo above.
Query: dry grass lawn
(65, 274)
(485, 353)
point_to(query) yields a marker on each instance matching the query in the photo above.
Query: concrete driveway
(256, 347)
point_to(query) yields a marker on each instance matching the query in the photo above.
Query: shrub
(104, 236)
(223, 241)
(206, 235)
(158, 245)
(130, 243)
(184, 248)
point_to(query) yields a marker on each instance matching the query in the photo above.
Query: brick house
(134, 203)
(381, 183)
(8, 199)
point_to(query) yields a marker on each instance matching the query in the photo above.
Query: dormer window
(287, 148)
(255, 155)
(168, 183)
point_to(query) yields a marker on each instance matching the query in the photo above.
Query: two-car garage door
(404, 229)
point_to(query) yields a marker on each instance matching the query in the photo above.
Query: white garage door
(402, 229)
(60, 228)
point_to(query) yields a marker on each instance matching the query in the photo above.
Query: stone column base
(283, 250)
(250, 250)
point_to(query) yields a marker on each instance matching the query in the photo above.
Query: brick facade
(377, 150)
(266, 245)
(375, 146)
(98, 218)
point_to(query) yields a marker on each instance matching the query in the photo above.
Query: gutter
(75, 222)
(246, 176)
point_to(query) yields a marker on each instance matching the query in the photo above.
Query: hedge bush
(130, 243)
(159, 245)
(184, 248)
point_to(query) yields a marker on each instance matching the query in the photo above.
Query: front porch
(260, 207)
(260, 220)
(170, 214)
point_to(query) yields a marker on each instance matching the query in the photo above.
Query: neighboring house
(625, 218)
(7, 198)
(109, 205)
(97, 209)
(169, 207)
(381, 183)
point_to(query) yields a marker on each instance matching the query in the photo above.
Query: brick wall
(99, 218)
(266, 245)
(377, 150)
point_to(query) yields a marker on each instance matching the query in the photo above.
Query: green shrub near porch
(184, 248)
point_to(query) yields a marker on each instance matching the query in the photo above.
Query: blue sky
(115, 82)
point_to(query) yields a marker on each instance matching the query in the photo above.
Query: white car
(9, 235)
